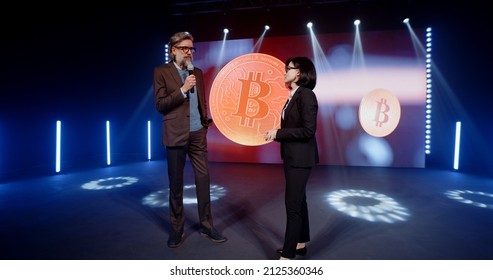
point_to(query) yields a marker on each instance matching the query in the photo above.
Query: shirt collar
(178, 67)
(293, 91)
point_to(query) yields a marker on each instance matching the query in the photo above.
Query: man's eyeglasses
(289, 68)
(185, 49)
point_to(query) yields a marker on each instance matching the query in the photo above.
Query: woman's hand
(270, 135)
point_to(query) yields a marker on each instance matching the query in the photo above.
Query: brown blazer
(174, 107)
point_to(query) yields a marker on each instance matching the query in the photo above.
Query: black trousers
(297, 223)
(196, 149)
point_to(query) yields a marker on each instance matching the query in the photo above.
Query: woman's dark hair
(308, 74)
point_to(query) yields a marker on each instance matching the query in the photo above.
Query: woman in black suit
(299, 151)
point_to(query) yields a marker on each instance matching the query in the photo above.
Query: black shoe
(300, 252)
(175, 239)
(213, 235)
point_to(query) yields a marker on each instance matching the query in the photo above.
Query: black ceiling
(246, 18)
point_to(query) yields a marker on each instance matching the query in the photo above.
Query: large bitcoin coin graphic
(247, 97)
(379, 112)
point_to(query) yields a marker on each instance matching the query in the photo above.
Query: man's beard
(184, 62)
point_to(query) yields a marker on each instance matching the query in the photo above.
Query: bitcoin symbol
(379, 112)
(252, 96)
(247, 96)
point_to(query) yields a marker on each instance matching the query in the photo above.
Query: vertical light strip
(58, 145)
(108, 153)
(149, 140)
(428, 92)
(166, 53)
(457, 145)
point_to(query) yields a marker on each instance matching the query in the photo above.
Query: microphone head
(189, 66)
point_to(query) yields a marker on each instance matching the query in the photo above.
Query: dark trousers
(297, 223)
(196, 149)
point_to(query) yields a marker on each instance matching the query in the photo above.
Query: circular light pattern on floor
(367, 205)
(110, 183)
(161, 198)
(464, 196)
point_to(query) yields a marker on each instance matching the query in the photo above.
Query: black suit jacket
(297, 133)
(173, 106)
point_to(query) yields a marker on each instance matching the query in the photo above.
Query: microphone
(190, 72)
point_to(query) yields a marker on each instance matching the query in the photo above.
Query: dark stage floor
(357, 213)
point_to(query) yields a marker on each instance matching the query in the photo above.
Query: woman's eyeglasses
(289, 68)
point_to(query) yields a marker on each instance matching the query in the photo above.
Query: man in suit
(179, 95)
(299, 151)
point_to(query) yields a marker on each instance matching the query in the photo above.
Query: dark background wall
(86, 63)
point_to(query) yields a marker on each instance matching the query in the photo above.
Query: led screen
(371, 91)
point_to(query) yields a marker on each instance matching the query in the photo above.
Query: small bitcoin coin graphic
(379, 112)
(247, 97)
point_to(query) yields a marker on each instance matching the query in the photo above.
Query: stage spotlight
(226, 31)
(267, 27)
(357, 22)
(406, 20)
(309, 25)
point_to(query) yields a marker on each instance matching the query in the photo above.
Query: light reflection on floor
(110, 183)
(473, 198)
(368, 205)
(161, 198)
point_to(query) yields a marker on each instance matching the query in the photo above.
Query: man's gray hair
(177, 38)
